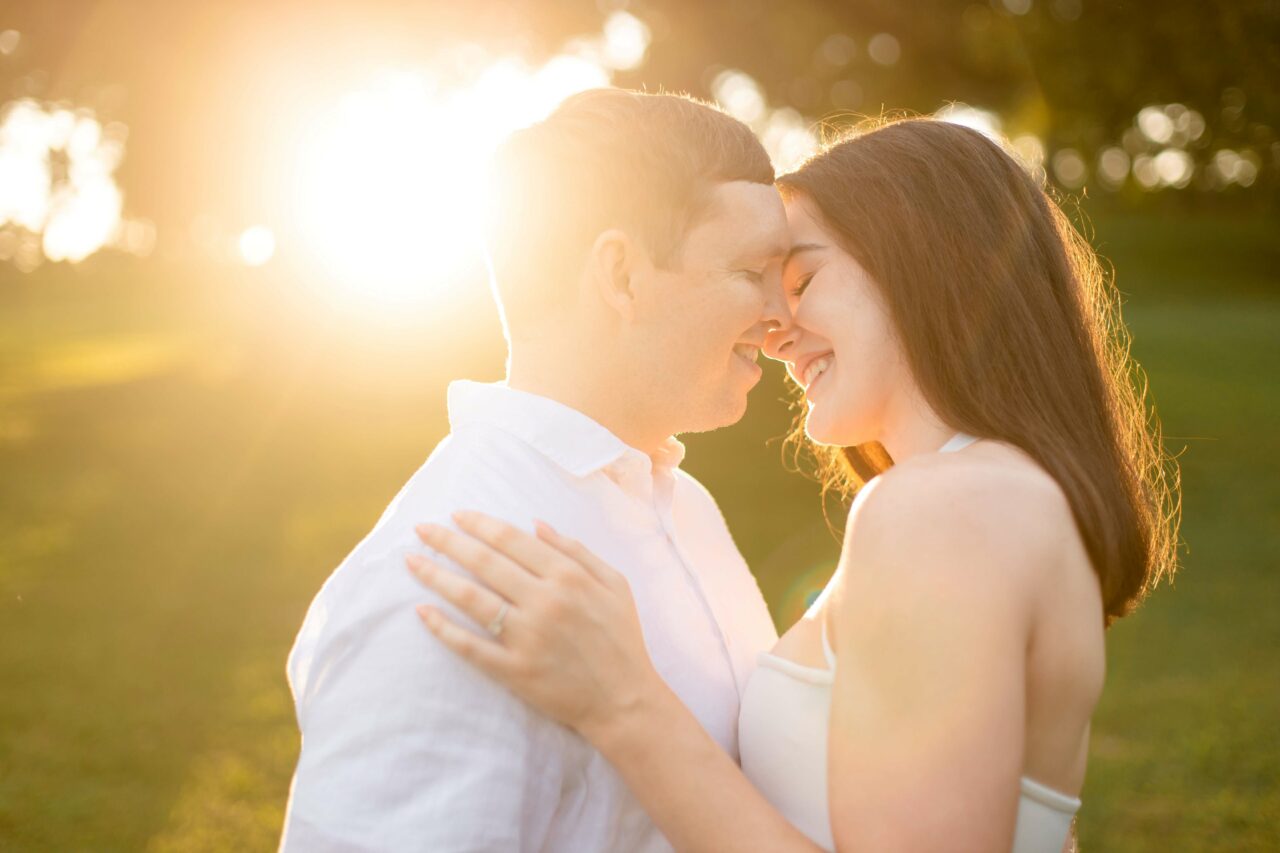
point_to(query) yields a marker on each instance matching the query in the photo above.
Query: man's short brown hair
(607, 158)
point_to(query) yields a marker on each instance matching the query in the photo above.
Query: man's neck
(595, 393)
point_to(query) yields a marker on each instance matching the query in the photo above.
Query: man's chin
(707, 419)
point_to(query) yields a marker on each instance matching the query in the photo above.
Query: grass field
(186, 457)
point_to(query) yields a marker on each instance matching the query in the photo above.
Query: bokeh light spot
(740, 95)
(57, 181)
(626, 40)
(786, 134)
(1144, 171)
(884, 49)
(1069, 168)
(984, 121)
(838, 50)
(1175, 167)
(1029, 149)
(257, 245)
(1113, 166)
(1235, 168)
(1155, 125)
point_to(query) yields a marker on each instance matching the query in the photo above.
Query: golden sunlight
(390, 181)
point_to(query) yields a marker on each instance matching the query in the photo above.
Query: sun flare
(386, 189)
(390, 185)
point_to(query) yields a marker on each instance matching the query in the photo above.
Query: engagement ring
(495, 627)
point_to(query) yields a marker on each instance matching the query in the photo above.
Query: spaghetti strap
(826, 646)
(959, 441)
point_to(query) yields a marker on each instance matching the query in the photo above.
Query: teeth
(816, 369)
(747, 351)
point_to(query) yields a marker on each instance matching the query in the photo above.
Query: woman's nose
(780, 342)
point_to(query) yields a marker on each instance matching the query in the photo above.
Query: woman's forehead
(803, 220)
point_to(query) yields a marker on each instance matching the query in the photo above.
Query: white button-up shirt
(406, 747)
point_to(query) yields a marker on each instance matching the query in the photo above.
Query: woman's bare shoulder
(988, 509)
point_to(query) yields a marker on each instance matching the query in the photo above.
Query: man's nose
(777, 313)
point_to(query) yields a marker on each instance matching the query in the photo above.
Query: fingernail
(429, 616)
(426, 532)
(462, 516)
(419, 565)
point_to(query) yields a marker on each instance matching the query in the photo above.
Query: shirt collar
(566, 436)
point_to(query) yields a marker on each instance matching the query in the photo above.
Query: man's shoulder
(477, 468)
(691, 488)
(696, 499)
(724, 568)
(369, 598)
(469, 469)
(700, 515)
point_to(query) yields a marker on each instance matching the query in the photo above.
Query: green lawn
(186, 456)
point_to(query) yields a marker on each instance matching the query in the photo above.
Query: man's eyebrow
(761, 254)
(798, 248)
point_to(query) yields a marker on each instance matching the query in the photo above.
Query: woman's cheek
(853, 405)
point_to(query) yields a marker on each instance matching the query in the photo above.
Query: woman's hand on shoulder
(563, 631)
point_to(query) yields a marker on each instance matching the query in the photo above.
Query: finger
(473, 599)
(579, 553)
(509, 579)
(485, 654)
(522, 548)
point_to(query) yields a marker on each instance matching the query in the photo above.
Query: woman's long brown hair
(1010, 326)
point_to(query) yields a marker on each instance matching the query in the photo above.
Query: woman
(958, 343)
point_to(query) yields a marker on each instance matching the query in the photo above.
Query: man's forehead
(749, 215)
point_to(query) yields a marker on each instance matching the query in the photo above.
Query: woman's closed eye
(801, 285)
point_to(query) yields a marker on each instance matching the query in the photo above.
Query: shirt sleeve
(404, 745)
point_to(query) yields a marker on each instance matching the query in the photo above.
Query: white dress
(782, 736)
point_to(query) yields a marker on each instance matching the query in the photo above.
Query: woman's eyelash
(802, 285)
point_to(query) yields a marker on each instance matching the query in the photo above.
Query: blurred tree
(1074, 72)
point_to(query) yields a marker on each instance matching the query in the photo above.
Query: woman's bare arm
(928, 713)
(688, 784)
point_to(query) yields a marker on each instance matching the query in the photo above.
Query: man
(636, 257)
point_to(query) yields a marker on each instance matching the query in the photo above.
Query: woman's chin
(830, 432)
(821, 433)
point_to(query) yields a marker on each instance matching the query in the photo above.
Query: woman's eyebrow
(798, 248)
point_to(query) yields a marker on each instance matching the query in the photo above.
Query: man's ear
(614, 266)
